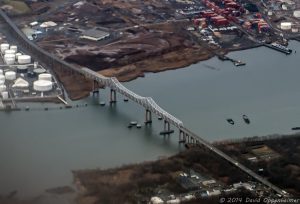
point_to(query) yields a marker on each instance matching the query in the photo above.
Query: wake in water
(211, 67)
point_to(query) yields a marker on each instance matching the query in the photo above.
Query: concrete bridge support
(95, 90)
(181, 136)
(167, 127)
(113, 96)
(187, 139)
(148, 117)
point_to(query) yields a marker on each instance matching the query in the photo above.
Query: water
(38, 149)
(266, 90)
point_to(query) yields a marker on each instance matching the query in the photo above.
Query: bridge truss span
(147, 102)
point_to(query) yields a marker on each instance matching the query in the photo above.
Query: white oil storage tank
(2, 82)
(22, 69)
(2, 88)
(18, 54)
(9, 52)
(14, 47)
(297, 13)
(286, 25)
(1, 72)
(24, 59)
(10, 75)
(42, 85)
(3, 47)
(2, 78)
(4, 94)
(9, 59)
(9, 56)
(46, 77)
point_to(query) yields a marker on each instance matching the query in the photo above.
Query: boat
(239, 63)
(133, 123)
(126, 99)
(160, 118)
(129, 126)
(102, 103)
(138, 125)
(246, 119)
(230, 121)
(296, 128)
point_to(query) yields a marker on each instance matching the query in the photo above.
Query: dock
(279, 48)
(235, 62)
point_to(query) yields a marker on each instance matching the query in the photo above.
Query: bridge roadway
(147, 102)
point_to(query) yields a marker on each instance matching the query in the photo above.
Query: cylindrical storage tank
(46, 77)
(3, 47)
(2, 88)
(9, 56)
(2, 77)
(2, 82)
(10, 60)
(1, 72)
(9, 52)
(4, 94)
(14, 47)
(39, 70)
(24, 59)
(42, 85)
(286, 25)
(18, 54)
(22, 69)
(10, 75)
(297, 13)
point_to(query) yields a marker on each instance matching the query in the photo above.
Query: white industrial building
(94, 34)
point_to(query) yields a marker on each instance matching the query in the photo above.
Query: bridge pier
(192, 140)
(95, 90)
(181, 137)
(187, 138)
(113, 96)
(167, 127)
(148, 117)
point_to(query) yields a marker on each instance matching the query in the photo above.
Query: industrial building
(94, 34)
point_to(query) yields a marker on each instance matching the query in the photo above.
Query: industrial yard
(23, 79)
(119, 38)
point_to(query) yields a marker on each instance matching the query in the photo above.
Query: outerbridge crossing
(147, 102)
(185, 135)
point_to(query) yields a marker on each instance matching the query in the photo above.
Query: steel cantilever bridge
(147, 102)
(185, 135)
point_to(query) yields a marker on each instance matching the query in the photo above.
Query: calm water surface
(38, 149)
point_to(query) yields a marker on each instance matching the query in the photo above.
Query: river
(38, 149)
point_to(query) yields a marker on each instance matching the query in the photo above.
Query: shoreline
(131, 72)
